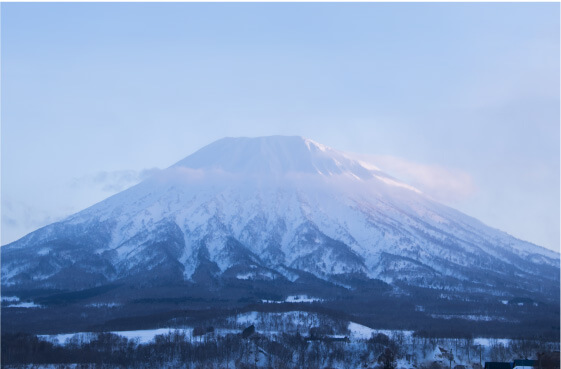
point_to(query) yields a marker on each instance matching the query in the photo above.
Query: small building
(497, 365)
(525, 364)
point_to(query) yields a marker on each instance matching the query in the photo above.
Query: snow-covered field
(361, 332)
(140, 336)
(14, 302)
(295, 299)
(302, 298)
(10, 299)
(301, 320)
(24, 305)
(265, 323)
(105, 305)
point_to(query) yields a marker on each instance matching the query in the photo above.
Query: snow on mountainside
(273, 207)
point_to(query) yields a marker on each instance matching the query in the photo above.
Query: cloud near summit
(447, 185)
(114, 181)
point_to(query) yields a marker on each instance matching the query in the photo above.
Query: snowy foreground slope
(276, 210)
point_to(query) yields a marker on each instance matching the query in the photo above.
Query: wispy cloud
(114, 181)
(19, 218)
(23, 216)
(448, 185)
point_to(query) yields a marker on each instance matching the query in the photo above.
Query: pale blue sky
(462, 100)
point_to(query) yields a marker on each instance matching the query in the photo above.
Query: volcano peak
(273, 156)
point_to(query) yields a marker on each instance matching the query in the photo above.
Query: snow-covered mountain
(275, 208)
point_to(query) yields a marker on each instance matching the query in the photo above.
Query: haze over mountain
(273, 210)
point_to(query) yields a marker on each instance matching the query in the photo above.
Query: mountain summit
(275, 155)
(282, 213)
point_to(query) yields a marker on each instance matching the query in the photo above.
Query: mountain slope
(277, 209)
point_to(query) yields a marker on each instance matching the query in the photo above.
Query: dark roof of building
(497, 365)
(525, 362)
